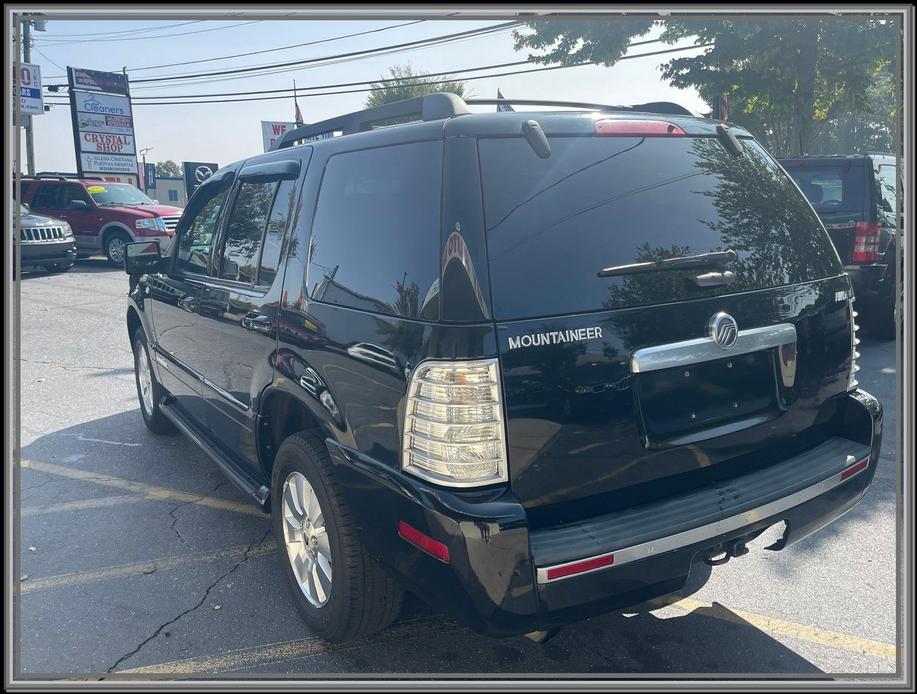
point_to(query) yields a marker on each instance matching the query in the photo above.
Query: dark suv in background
(530, 366)
(104, 215)
(856, 196)
(44, 242)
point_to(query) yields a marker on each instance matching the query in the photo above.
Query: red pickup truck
(103, 215)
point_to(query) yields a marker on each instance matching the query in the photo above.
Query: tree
(787, 80)
(406, 83)
(167, 168)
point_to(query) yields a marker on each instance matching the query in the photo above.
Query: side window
(376, 234)
(273, 235)
(74, 193)
(196, 239)
(47, 197)
(244, 230)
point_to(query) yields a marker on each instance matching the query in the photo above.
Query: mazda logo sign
(202, 173)
(723, 330)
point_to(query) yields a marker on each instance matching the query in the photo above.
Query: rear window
(553, 223)
(831, 187)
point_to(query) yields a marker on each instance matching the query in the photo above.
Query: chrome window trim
(703, 349)
(705, 532)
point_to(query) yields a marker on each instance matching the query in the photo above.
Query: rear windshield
(553, 223)
(831, 187)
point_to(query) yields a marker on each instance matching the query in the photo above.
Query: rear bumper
(872, 284)
(503, 579)
(40, 253)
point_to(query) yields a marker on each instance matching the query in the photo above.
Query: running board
(242, 480)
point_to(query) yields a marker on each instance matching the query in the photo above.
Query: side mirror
(141, 257)
(78, 205)
(156, 201)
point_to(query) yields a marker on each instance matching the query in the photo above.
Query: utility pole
(27, 58)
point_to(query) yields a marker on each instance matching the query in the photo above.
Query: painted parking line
(33, 585)
(149, 491)
(283, 651)
(779, 627)
(104, 502)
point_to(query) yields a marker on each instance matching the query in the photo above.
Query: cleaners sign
(103, 123)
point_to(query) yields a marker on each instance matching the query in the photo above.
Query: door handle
(188, 303)
(257, 322)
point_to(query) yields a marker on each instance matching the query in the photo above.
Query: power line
(368, 51)
(379, 80)
(372, 89)
(281, 48)
(52, 44)
(130, 31)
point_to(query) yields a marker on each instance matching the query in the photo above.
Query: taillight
(854, 341)
(610, 127)
(453, 424)
(866, 243)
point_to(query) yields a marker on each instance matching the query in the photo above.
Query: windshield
(117, 194)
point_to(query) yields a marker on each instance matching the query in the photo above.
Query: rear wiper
(704, 260)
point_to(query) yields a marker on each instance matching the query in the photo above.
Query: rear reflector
(854, 469)
(636, 128)
(579, 567)
(423, 541)
(866, 243)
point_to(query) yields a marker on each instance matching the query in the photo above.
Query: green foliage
(167, 168)
(800, 85)
(409, 83)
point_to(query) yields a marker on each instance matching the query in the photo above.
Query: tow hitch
(726, 551)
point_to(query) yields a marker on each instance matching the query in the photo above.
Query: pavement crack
(242, 560)
(172, 513)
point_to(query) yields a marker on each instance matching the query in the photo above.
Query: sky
(227, 132)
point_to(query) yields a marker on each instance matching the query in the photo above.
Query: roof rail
(666, 107)
(429, 107)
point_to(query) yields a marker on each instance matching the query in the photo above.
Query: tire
(153, 417)
(114, 247)
(58, 268)
(363, 598)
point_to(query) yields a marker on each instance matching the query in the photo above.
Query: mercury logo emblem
(202, 173)
(723, 330)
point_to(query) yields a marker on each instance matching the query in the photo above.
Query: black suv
(529, 366)
(856, 198)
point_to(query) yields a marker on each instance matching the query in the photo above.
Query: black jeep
(528, 365)
(856, 197)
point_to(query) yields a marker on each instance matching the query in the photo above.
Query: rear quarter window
(375, 234)
(553, 223)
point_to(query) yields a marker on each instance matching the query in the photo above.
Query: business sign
(103, 123)
(117, 125)
(149, 176)
(103, 104)
(93, 80)
(92, 162)
(196, 172)
(29, 83)
(272, 131)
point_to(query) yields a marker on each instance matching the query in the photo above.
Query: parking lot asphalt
(139, 558)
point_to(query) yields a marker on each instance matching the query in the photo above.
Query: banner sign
(93, 80)
(103, 123)
(196, 172)
(30, 99)
(149, 176)
(272, 131)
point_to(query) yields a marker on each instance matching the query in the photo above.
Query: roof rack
(62, 176)
(666, 107)
(444, 105)
(430, 107)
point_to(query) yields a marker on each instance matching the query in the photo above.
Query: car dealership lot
(139, 556)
